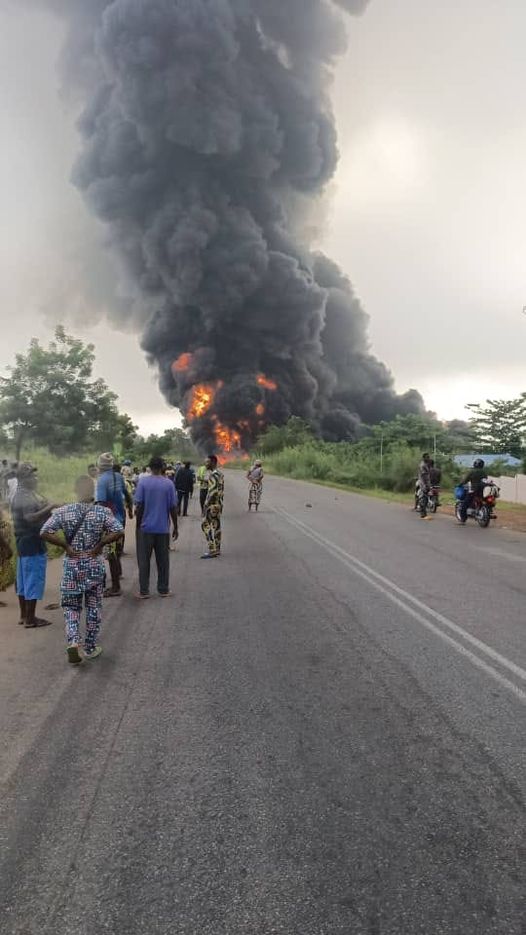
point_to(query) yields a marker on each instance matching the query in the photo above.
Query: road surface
(320, 733)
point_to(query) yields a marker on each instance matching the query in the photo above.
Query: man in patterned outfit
(213, 508)
(87, 527)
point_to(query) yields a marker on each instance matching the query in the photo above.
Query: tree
(116, 433)
(49, 398)
(500, 425)
(277, 437)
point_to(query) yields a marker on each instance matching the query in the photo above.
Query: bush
(355, 465)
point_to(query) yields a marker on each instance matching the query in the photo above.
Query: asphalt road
(320, 733)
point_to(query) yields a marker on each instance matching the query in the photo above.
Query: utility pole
(381, 454)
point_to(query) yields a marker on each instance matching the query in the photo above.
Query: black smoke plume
(207, 133)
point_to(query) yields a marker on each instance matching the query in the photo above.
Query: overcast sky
(427, 214)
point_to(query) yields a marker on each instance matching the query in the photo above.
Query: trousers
(211, 527)
(72, 605)
(183, 496)
(202, 497)
(159, 543)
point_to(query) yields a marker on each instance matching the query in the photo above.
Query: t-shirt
(157, 495)
(27, 533)
(110, 491)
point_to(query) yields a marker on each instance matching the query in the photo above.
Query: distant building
(467, 460)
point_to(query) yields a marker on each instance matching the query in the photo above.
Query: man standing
(424, 483)
(213, 508)
(110, 492)
(29, 512)
(155, 503)
(87, 527)
(184, 485)
(202, 480)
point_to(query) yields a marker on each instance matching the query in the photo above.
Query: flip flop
(94, 654)
(110, 593)
(52, 607)
(39, 622)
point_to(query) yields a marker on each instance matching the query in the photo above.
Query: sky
(427, 213)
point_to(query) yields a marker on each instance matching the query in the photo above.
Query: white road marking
(405, 600)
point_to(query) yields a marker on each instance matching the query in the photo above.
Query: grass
(350, 468)
(56, 481)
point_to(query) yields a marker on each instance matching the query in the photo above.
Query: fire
(265, 382)
(260, 409)
(183, 363)
(227, 439)
(202, 399)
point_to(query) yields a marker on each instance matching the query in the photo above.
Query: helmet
(478, 463)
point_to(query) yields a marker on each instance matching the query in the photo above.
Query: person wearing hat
(111, 493)
(29, 511)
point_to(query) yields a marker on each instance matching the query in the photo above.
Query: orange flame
(226, 439)
(265, 382)
(183, 363)
(260, 409)
(202, 399)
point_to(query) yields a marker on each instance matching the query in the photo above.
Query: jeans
(158, 542)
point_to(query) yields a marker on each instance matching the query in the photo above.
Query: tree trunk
(19, 441)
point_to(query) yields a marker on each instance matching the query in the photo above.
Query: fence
(512, 489)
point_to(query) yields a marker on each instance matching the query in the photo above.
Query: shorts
(31, 576)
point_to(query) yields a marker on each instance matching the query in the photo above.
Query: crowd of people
(90, 531)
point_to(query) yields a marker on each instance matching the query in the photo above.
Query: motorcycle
(433, 498)
(481, 508)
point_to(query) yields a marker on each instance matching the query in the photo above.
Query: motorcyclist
(424, 484)
(474, 480)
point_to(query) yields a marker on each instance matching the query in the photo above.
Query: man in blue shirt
(156, 504)
(110, 492)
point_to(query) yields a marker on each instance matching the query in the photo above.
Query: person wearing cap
(87, 528)
(29, 511)
(110, 492)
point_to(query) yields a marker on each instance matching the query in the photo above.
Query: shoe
(74, 656)
(165, 593)
(207, 555)
(141, 597)
(94, 653)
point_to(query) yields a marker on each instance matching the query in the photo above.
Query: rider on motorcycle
(475, 478)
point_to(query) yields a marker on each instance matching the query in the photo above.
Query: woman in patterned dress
(255, 478)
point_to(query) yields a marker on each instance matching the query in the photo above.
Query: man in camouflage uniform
(213, 508)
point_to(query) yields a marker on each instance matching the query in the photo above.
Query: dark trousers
(158, 542)
(202, 497)
(183, 497)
